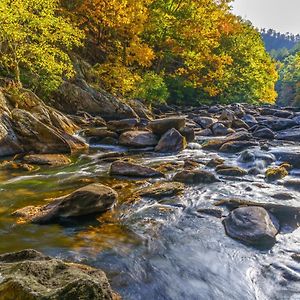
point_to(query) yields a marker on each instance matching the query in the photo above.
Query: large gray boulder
(77, 96)
(30, 275)
(38, 137)
(253, 225)
(171, 141)
(161, 126)
(92, 199)
(138, 139)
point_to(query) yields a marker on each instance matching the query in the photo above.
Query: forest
(179, 51)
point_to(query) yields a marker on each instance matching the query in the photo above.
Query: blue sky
(281, 15)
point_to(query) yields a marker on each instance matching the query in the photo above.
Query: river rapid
(157, 249)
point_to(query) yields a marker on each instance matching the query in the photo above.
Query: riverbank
(172, 227)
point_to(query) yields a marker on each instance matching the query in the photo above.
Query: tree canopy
(182, 51)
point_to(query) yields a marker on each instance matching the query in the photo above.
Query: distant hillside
(276, 40)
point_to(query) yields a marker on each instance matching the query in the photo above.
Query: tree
(289, 82)
(34, 38)
(251, 75)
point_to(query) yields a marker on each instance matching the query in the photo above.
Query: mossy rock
(276, 173)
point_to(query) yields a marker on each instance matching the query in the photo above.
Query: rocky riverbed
(200, 203)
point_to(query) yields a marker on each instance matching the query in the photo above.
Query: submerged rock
(13, 165)
(138, 139)
(230, 171)
(47, 159)
(161, 126)
(161, 189)
(171, 141)
(122, 168)
(30, 275)
(195, 177)
(253, 225)
(92, 199)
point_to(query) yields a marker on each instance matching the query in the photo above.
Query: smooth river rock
(161, 126)
(138, 139)
(92, 199)
(253, 225)
(195, 177)
(171, 141)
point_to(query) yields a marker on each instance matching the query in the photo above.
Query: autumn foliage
(185, 51)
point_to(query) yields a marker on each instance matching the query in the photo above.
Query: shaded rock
(188, 133)
(264, 133)
(190, 164)
(291, 134)
(92, 199)
(276, 112)
(140, 109)
(276, 123)
(40, 138)
(161, 189)
(236, 146)
(138, 139)
(211, 212)
(161, 126)
(276, 173)
(105, 141)
(238, 123)
(249, 120)
(47, 159)
(205, 122)
(220, 129)
(9, 143)
(122, 168)
(122, 125)
(79, 96)
(227, 115)
(252, 225)
(99, 133)
(171, 141)
(230, 171)
(29, 274)
(195, 177)
(292, 158)
(205, 132)
(215, 162)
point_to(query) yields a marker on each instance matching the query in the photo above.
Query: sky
(281, 15)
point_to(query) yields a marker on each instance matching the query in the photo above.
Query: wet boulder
(122, 125)
(161, 189)
(99, 133)
(220, 129)
(236, 146)
(205, 122)
(29, 274)
(161, 126)
(253, 225)
(291, 134)
(92, 199)
(171, 141)
(188, 133)
(40, 138)
(123, 168)
(276, 123)
(292, 157)
(276, 173)
(138, 139)
(230, 171)
(264, 133)
(47, 159)
(195, 177)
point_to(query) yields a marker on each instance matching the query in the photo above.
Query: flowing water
(155, 249)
